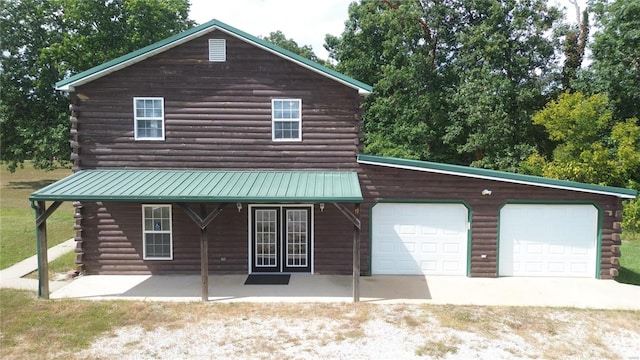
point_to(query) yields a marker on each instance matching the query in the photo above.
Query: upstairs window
(157, 236)
(286, 119)
(217, 50)
(148, 118)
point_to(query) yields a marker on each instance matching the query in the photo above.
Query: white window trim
(274, 120)
(135, 119)
(144, 232)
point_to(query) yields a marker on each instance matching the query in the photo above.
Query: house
(216, 152)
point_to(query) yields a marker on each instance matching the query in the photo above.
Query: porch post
(41, 250)
(356, 256)
(204, 255)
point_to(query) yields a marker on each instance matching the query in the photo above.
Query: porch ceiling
(204, 186)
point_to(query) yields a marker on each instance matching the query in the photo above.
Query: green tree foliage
(615, 69)
(591, 146)
(44, 41)
(455, 80)
(278, 38)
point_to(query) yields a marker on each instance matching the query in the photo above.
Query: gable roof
(479, 173)
(146, 52)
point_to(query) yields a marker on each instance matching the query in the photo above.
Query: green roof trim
(204, 186)
(175, 40)
(495, 175)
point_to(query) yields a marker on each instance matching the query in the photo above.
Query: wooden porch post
(203, 220)
(42, 214)
(41, 251)
(204, 255)
(356, 256)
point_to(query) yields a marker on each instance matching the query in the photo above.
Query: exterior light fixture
(239, 206)
(321, 207)
(486, 192)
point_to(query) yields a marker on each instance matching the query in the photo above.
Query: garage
(548, 240)
(416, 239)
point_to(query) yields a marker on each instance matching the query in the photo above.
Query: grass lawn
(630, 259)
(17, 218)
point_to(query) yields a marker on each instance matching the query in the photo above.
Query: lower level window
(156, 229)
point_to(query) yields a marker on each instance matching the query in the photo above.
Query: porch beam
(41, 246)
(203, 220)
(45, 215)
(204, 256)
(356, 254)
(355, 219)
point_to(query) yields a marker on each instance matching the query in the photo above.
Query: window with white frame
(156, 232)
(286, 117)
(148, 118)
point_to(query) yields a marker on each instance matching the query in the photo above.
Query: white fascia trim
(623, 196)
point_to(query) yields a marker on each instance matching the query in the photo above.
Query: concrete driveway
(554, 292)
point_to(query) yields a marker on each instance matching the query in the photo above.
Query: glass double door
(280, 240)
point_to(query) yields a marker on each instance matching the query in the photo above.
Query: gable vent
(217, 50)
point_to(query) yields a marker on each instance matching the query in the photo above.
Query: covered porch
(202, 196)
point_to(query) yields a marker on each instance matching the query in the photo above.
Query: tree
(278, 38)
(44, 41)
(574, 45)
(615, 69)
(591, 146)
(455, 80)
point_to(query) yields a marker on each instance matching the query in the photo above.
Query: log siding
(384, 183)
(218, 116)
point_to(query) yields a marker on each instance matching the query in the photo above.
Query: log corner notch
(42, 214)
(355, 220)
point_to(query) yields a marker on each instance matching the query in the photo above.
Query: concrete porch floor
(554, 292)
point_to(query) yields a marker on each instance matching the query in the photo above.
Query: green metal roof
(495, 175)
(129, 59)
(204, 186)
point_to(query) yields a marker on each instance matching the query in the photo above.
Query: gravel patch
(383, 332)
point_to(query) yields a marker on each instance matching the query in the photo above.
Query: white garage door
(548, 240)
(426, 239)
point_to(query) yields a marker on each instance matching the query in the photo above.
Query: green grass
(17, 218)
(630, 259)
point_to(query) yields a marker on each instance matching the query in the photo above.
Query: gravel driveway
(316, 331)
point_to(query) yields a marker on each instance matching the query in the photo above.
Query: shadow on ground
(32, 185)
(626, 276)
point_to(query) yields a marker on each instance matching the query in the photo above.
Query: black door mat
(267, 279)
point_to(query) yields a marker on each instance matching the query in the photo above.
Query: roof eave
(556, 184)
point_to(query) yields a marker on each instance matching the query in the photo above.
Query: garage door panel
(427, 238)
(548, 240)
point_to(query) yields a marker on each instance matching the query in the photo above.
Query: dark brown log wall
(112, 241)
(379, 182)
(217, 115)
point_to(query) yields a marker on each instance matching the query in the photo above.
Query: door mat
(260, 279)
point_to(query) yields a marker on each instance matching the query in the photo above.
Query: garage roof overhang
(495, 175)
(204, 186)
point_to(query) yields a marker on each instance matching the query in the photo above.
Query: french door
(281, 239)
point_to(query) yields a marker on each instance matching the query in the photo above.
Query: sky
(305, 21)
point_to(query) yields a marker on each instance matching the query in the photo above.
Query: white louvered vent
(217, 50)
